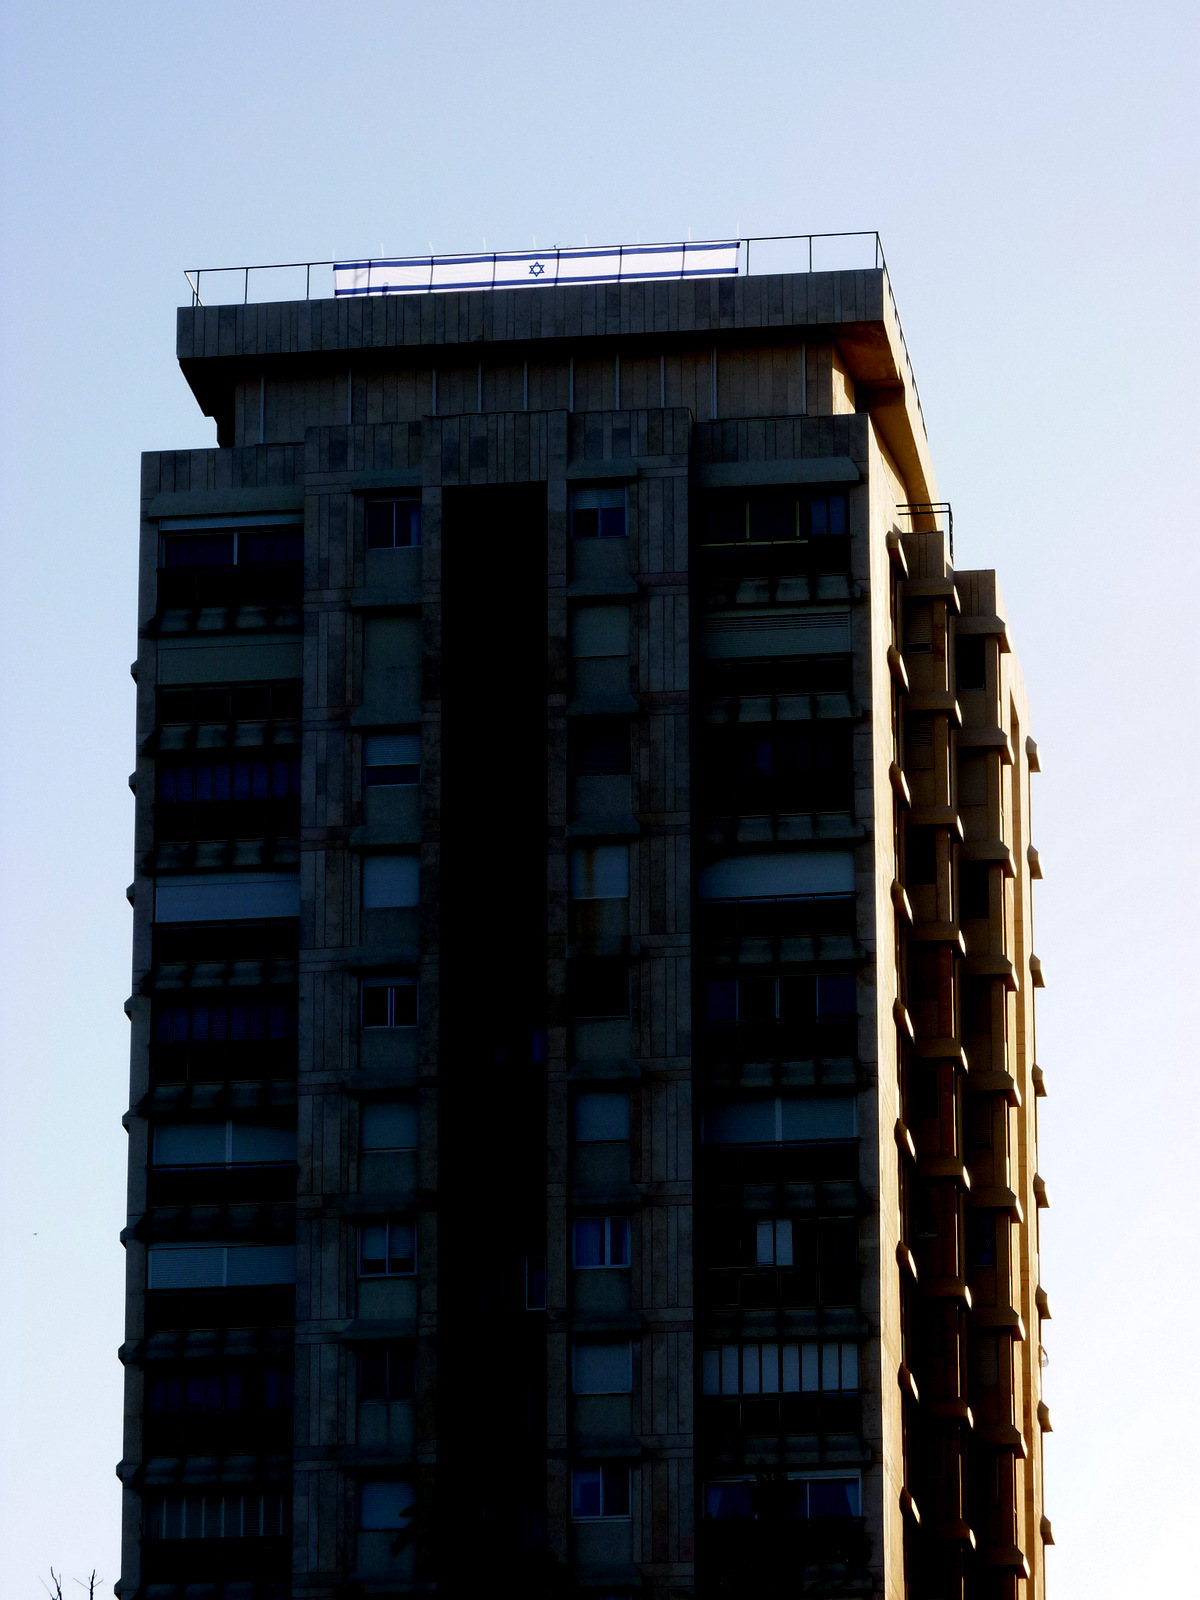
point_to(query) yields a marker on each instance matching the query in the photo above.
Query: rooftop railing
(764, 254)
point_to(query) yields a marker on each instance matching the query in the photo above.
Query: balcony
(775, 570)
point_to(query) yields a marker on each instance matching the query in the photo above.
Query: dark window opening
(393, 524)
(390, 1003)
(970, 662)
(598, 987)
(243, 702)
(387, 1371)
(600, 747)
(598, 514)
(920, 855)
(974, 891)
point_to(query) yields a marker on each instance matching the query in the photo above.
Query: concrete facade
(583, 1090)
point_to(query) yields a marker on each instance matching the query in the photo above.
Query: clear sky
(1032, 169)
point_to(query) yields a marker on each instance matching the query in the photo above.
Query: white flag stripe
(529, 268)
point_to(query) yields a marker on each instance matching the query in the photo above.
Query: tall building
(583, 1132)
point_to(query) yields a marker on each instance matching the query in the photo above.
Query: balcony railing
(251, 1183)
(723, 925)
(734, 562)
(823, 1161)
(759, 1415)
(272, 1306)
(854, 250)
(765, 1287)
(735, 1043)
(193, 589)
(223, 1061)
(793, 1555)
(227, 819)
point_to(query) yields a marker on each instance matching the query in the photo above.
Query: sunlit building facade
(583, 1114)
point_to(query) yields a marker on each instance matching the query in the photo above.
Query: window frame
(602, 1472)
(413, 502)
(390, 985)
(387, 1223)
(607, 1264)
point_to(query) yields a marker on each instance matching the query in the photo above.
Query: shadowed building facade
(583, 1092)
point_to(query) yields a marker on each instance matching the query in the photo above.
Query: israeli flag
(710, 258)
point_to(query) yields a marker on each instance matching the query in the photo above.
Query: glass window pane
(385, 1505)
(809, 1368)
(616, 1491)
(602, 1368)
(721, 1001)
(728, 1500)
(589, 1242)
(711, 1372)
(601, 1117)
(586, 1492)
(618, 1241)
(381, 522)
(829, 1367)
(783, 1242)
(764, 1237)
(850, 1366)
(729, 1369)
(372, 1258)
(789, 1376)
(402, 1247)
(836, 996)
(750, 1372)
(833, 1497)
(388, 1125)
(770, 1368)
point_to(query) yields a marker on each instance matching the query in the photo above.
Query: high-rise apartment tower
(583, 1100)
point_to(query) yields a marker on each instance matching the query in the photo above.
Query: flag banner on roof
(711, 258)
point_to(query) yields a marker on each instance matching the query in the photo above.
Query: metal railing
(815, 252)
(938, 512)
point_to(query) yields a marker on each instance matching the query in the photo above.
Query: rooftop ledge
(851, 302)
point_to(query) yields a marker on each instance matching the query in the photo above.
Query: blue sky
(1032, 170)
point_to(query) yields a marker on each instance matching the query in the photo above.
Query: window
(981, 1239)
(206, 1394)
(387, 1371)
(387, 1125)
(599, 1492)
(783, 999)
(599, 631)
(218, 1514)
(389, 1003)
(391, 759)
(277, 778)
(816, 1496)
(970, 663)
(601, 1242)
(243, 702)
(598, 986)
(600, 872)
(224, 1018)
(598, 513)
(808, 1367)
(781, 1120)
(389, 882)
(233, 547)
(771, 516)
(385, 1505)
(535, 1283)
(602, 1368)
(601, 1117)
(219, 1266)
(773, 1242)
(393, 524)
(599, 747)
(217, 1144)
(387, 1249)
(974, 890)
(920, 855)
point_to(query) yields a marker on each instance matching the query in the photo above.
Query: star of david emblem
(536, 270)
